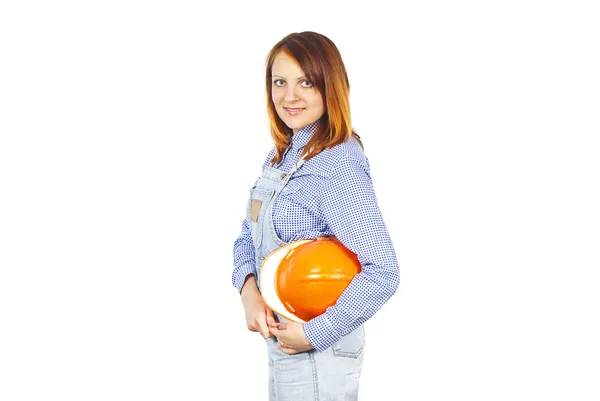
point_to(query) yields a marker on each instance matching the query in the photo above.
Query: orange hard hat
(300, 280)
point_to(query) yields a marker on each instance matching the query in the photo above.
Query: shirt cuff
(241, 274)
(320, 333)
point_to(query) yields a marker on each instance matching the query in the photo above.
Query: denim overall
(331, 375)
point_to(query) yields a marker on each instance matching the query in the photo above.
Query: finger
(276, 331)
(271, 320)
(288, 351)
(263, 329)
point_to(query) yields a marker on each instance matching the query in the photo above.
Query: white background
(132, 131)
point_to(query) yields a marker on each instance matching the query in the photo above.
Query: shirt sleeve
(350, 209)
(243, 257)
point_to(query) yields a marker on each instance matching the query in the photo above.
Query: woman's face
(297, 102)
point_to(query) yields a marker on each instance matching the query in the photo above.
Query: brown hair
(321, 62)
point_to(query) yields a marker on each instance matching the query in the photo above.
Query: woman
(315, 183)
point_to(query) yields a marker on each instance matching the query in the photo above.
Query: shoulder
(343, 158)
(267, 160)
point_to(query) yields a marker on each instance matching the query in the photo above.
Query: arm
(350, 209)
(258, 316)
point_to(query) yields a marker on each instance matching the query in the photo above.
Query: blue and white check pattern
(331, 195)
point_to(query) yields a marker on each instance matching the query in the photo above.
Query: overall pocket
(255, 213)
(351, 345)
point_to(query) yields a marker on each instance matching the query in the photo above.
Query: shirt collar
(301, 138)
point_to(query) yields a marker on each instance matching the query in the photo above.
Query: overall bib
(331, 375)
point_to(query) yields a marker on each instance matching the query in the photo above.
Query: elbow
(393, 281)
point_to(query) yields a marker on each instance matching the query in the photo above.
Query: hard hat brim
(268, 274)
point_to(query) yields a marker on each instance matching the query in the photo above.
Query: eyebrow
(299, 79)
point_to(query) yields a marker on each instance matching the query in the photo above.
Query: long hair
(321, 62)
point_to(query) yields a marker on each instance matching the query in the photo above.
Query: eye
(278, 82)
(306, 84)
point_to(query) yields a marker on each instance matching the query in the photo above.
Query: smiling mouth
(293, 111)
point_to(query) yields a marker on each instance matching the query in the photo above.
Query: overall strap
(286, 177)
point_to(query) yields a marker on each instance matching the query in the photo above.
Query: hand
(258, 316)
(291, 337)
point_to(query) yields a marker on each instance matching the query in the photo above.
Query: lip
(293, 111)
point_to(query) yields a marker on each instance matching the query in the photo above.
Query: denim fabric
(330, 375)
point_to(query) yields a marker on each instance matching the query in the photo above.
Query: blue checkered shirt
(331, 195)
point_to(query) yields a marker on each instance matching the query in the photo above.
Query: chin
(292, 124)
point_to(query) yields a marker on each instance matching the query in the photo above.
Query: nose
(290, 93)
